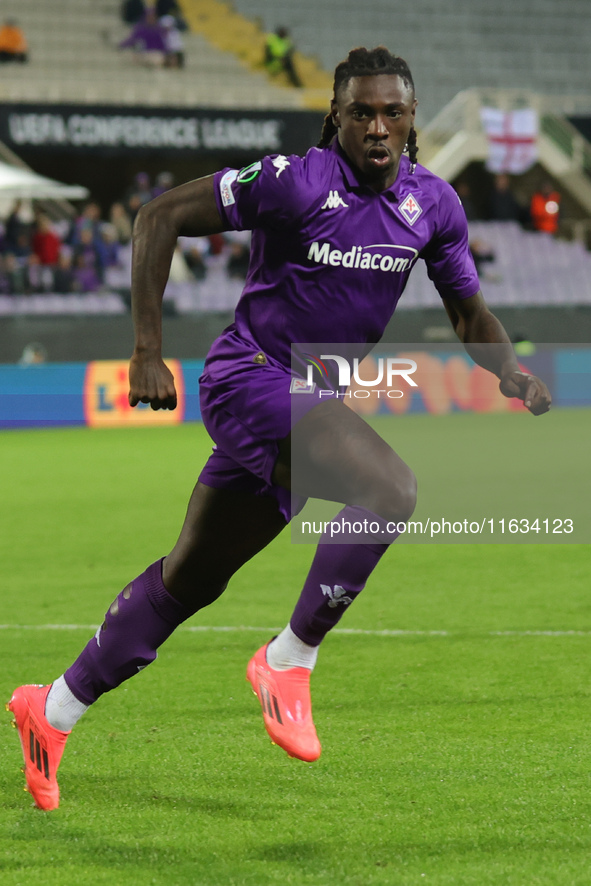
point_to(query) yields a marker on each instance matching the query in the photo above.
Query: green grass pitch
(456, 743)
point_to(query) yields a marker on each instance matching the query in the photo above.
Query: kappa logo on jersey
(280, 163)
(302, 386)
(249, 173)
(336, 595)
(334, 201)
(410, 209)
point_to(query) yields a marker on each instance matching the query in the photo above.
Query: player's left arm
(488, 344)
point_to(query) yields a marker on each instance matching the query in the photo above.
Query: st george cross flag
(512, 139)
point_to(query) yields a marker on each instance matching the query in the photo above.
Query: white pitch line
(540, 633)
(49, 627)
(351, 631)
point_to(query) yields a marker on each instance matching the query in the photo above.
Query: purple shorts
(247, 408)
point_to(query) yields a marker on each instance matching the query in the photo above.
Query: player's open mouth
(379, 155)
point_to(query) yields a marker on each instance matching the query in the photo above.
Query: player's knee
(197, 595)
(397, 495)
(192, 584)
(405, 498)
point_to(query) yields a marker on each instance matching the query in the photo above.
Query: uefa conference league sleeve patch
(244, 177)
(248, 174)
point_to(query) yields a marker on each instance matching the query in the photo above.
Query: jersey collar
(352, 177)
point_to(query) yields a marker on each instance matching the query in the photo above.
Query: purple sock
(338, 574)
(138, 621)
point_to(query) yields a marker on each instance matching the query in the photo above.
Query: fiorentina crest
(410, 209)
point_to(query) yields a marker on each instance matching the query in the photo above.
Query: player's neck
(383, 182)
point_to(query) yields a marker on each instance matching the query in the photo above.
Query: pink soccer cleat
(42, 745)
(286, 704)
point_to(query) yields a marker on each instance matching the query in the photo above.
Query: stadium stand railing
(455, 138)
(229, 31)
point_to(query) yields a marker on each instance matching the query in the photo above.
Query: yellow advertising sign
(106, 403)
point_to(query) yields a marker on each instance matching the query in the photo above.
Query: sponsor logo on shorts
(387, 257)
(410, 209)
(302, 386)
(249, 173)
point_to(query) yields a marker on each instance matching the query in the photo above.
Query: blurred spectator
(12, 275)
(147, 39)
(118, 277)
(63, 274)
(217, 243)
(171, 7)
(92, 254)
(164, 182)
(22, 248)
(46, 244)
(15, 279)
(87, 277)
(167, 7)
(62, 227)
(179, 270)
(14, 226)
(134, 204)
(175, 47)
(13, 43)
(279, 51)
(33, 354)
(238, 260)
(4, 287)
(120, 219)
(195, 251)
(84, 273)
(545, 208)
(504, 206)
(482, 255)
(465, 194)
(139, 193)
(37, 277)
(132, 11)
(107, 249)
(88, 220)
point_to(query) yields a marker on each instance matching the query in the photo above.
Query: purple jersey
(330, 257)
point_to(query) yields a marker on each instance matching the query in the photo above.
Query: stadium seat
(73, 58)
(529, 268)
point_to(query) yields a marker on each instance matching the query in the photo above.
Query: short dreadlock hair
(362, 62)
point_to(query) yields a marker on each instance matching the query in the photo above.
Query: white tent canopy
(18, 183)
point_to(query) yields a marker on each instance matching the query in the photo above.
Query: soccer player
(318, 224)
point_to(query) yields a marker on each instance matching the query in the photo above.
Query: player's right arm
(190, 211)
